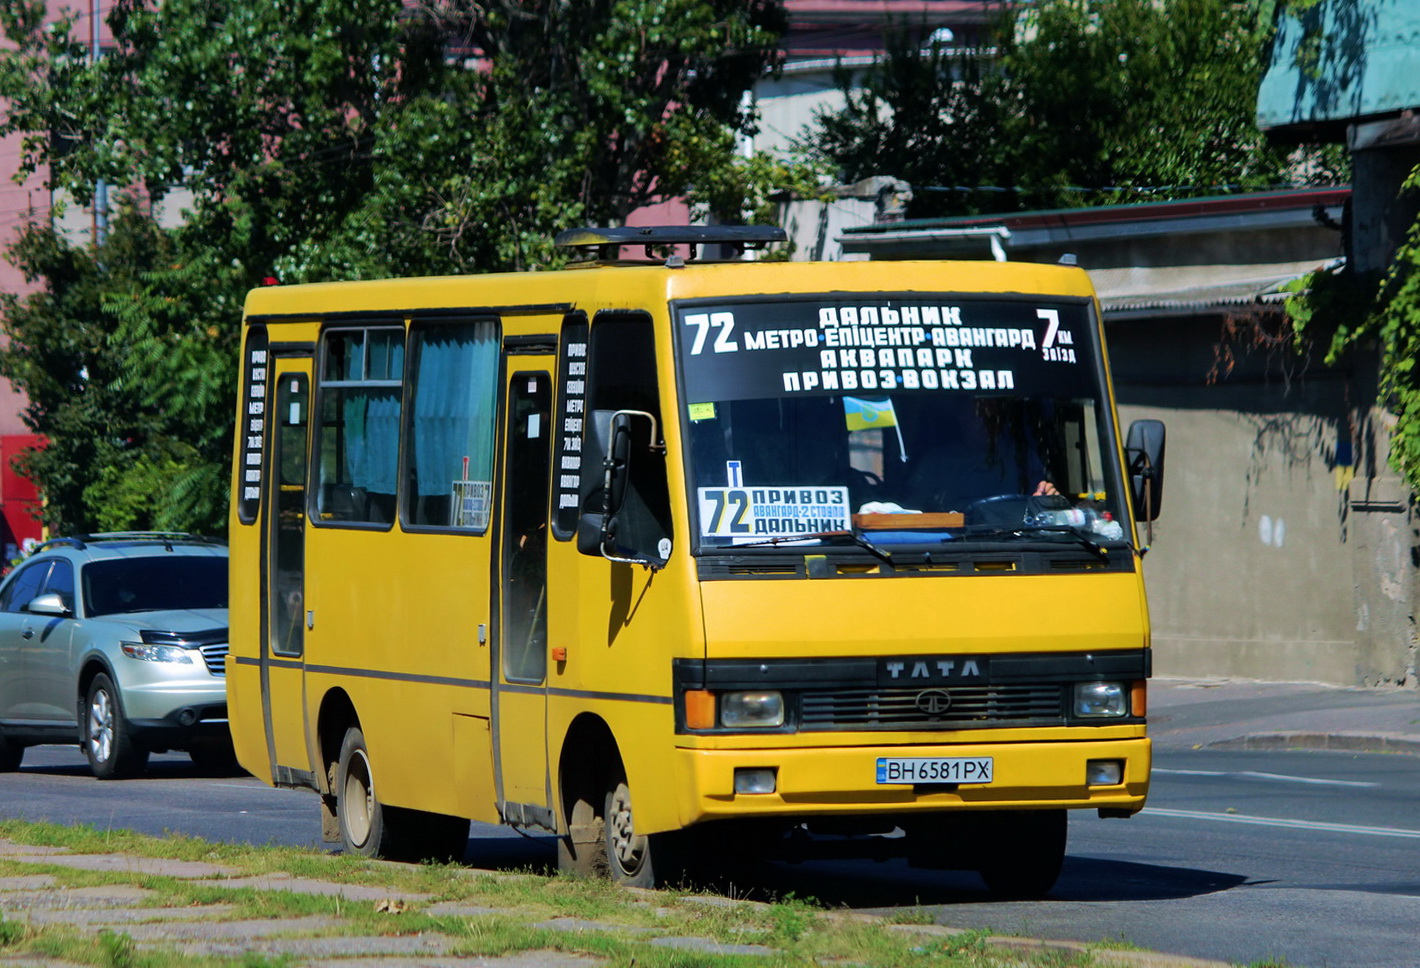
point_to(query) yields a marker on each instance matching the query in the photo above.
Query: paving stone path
(314, 941)
(136, 914)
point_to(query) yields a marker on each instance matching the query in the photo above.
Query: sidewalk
(1239, 714)
(121, 909)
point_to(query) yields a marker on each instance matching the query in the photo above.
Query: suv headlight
(156, 653)
(1100, 700)
(759, 708)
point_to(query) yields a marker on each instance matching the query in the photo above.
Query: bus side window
(622, 376)
(361, 381)
(449, 476)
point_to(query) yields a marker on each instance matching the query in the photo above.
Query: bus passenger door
(519, 675)
(283, 618)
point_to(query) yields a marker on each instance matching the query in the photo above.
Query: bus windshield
(912, 421)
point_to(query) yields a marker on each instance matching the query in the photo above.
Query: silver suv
(118, 641)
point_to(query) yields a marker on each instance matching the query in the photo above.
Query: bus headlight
(762, 708)
(1100, 700)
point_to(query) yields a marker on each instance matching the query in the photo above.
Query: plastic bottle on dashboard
(1106, 527)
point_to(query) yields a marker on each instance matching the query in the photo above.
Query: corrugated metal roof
(1195, 290)
(1249, 204)
(1367, 65)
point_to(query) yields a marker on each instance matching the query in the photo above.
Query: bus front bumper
(837, 780)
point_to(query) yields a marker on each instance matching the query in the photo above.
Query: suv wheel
(113, 753)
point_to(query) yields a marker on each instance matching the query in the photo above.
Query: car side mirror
(49, 604)
(1144, 450)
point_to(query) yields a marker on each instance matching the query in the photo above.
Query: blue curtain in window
(455, 391)
(372, 438)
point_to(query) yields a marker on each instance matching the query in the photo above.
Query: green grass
(801, 932)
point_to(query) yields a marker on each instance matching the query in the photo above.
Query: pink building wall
(20, 203)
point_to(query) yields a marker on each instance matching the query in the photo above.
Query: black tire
(636, 859)
(109, 744)
(10, 755)
(582, 850)
(368, 828)
(362, 822)
(602, 842)
(628, 853)
(1026, 854)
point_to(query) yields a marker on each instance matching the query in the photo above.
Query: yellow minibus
(663, 553)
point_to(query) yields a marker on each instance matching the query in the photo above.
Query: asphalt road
(1311, 858)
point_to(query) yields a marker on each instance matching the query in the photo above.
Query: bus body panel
(621, 627)
(402, 643)
(988, 613)
(831, 779)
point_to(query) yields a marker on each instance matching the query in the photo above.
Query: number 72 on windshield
(744, 512)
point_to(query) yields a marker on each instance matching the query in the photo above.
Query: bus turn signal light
(699, 709)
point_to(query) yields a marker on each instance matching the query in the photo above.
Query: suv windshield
(903, 421)
(155, 584)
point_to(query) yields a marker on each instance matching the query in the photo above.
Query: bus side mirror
(604, 505)
(1144, 450)
(616, 467)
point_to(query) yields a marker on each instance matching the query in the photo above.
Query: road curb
(1340, 742)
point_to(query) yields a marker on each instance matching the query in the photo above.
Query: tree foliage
(1347, 310)
(323, 139)
(1071, 102)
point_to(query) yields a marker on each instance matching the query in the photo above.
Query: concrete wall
(1279, 555)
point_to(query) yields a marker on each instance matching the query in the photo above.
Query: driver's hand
(1044, 488)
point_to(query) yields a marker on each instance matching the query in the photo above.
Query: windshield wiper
(857, 537)
(1082, 537)
(1085, 539)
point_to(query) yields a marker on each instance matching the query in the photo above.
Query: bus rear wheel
(361, 817)
(368, 828)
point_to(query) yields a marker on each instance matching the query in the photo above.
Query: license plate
(934, 769)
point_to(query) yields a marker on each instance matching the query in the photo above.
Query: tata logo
(934, 702)
(932, 669)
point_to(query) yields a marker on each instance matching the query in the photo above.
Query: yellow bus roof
(640, 287)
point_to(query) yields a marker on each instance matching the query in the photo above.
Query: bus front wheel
(637, 859)
(608, 845)
(628, 853)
